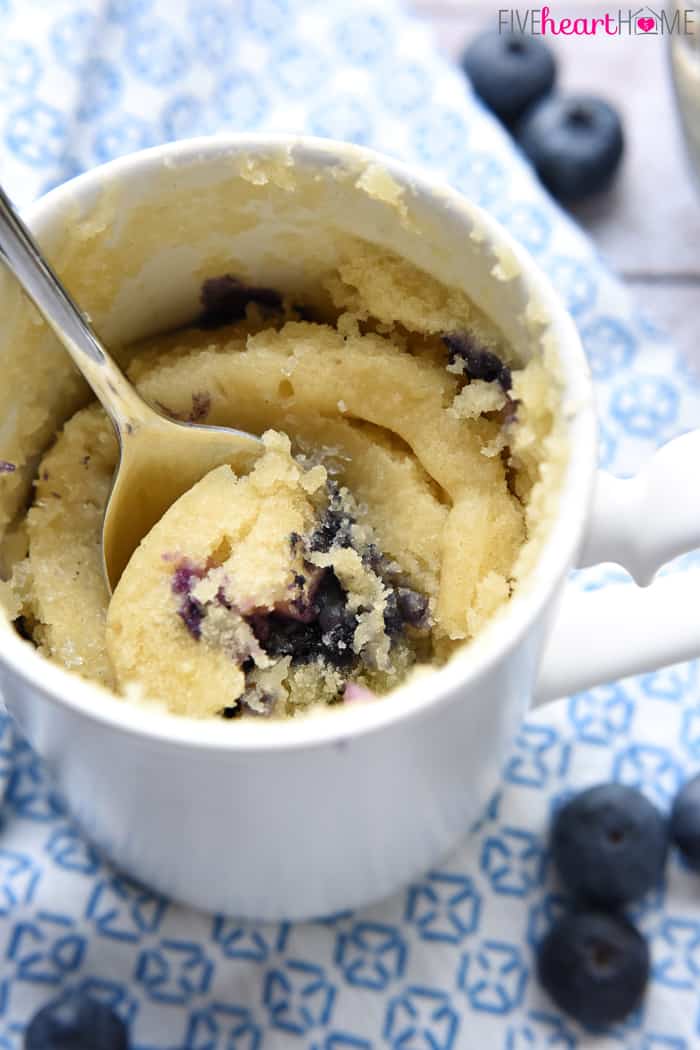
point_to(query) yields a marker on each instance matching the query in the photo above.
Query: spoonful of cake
(159, 458)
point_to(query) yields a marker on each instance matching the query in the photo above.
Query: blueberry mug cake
(407, 472)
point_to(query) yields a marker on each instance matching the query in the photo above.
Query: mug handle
(640, 523)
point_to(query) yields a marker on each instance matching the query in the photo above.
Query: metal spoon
(159, 459)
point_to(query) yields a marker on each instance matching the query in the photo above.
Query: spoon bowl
(159, 458)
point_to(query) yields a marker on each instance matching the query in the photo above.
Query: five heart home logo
(642, 21)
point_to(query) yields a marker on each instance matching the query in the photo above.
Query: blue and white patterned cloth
(448, 963)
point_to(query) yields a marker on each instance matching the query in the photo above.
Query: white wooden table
(648, 226)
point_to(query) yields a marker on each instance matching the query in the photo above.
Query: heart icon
(646, 24)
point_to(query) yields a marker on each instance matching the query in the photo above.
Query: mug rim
(338, 726)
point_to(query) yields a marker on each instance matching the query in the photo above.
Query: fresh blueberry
(575, 144)
(76, 1022)
(509, 71)
(685, 822)
(609, 844)
(594, 966)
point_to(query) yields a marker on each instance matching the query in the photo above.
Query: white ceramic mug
(302, 818)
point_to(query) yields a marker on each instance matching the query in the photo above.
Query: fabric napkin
(448, 963)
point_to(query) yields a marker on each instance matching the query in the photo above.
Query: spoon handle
(21, 254)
